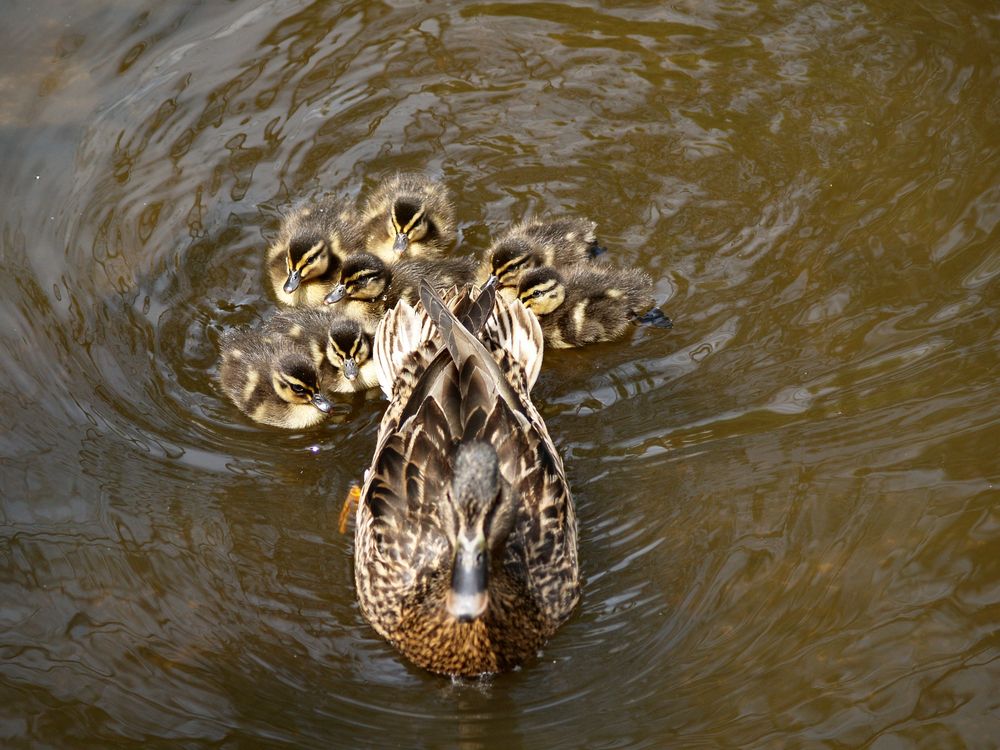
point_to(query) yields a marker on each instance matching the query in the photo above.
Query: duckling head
(408, 223)
(296, 381)
(510, 259)
(308, 257)
(542, 290)
(482, 515)
(363, 277)
(348, 347)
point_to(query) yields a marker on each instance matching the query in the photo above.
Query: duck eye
(298, 388)
(536, 294)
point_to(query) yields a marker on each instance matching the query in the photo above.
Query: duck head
(348, 347)
(542, 290)
(308, 257)
(295, 381)
(481, 511)
(363, 277)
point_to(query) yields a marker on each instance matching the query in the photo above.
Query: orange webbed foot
(351, 501)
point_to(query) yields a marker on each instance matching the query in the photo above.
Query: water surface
(788, 505)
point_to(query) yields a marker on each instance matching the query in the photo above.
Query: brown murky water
(789, 514)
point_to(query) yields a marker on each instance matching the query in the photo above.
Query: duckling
(349, 349)
(304, 262)
(409, 215)
(340, 347)
(271, 380)
(369, 287)
(559, 243)
(586, 305)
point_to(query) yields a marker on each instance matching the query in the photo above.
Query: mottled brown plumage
(465, 541)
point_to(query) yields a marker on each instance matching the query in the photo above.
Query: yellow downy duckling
(369, 287)
(587, 305)
(560, 243)
(304, 262)
(408, 216)
(272, 380)
(349, 349)
(340, 347)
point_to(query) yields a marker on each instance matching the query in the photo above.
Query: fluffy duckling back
(561, 243)
(586, 305)
(339, 346)
(369, 287)
(304, 262)
(409, 216)
(271, 380)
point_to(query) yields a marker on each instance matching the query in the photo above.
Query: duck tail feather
(399, 334)
(515, 331)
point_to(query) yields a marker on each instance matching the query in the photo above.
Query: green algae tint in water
(788, 505)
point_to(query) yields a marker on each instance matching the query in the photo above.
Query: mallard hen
(465, 540)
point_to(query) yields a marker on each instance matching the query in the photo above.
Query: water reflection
(787, 516)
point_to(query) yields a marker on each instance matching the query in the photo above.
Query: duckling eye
(298, 388)
(537, 293)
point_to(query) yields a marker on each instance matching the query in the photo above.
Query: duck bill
(350, 369)
(401, 244)
(468, 598)
(322, 403)
(292, 282)
(336, 294)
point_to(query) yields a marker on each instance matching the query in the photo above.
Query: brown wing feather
(461, 391)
